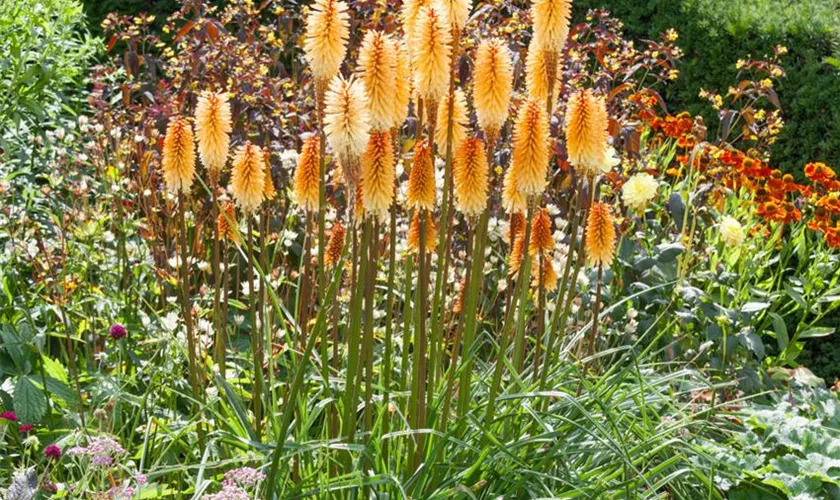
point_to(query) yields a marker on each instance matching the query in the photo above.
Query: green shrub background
(716, 33)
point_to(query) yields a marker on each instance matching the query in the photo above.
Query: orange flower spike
(335, 244)
(378, 174)
(600, 235)
(529, 159)
(248, 179)
(306, 181)
(414, 233)
(542, 241)
(421, 180)
(178, 164)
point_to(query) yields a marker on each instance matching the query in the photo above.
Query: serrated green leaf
(30, 402)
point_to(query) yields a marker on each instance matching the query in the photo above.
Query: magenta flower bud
(117, 331)
(52, 451)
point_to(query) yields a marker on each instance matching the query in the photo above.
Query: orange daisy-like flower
(226, 222)
(493, 85)
(421, 180)
(470, 175)
(460, 121)
(178, 163)
(306, 182)
(378, 174)
(248, 179)
(401, 88)
(213, 126)
(325, 40)
(551, 22)
(378, 67)
(536, 73)
(600, 235)
(542, 240)
(587, 133)
(529, 161)
(431, 52)
(414, 233)
(512, 199)
(335, 244)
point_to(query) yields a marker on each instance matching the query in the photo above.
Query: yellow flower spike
(551, 22)
(460, 122)
(378, 69)
(529, 160)
(213, 126)
(269, 191)
(306, 181)
(600, 235)
(226, 222)
(401, 88)
(536, 73)
(457, 11)
(470, 174)
(378, 174)
(248, 179)
(414, 233)
(431, 53)
(421, 180)
(409, 14)
(325, 40)
(178, 164)
(512, 199)
(335, 244)
(493, 85)
(587, 133)
(347, 122)
(549, 276)
(542, 240)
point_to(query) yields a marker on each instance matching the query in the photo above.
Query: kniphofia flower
(600, 235)
(307, 180)
(414, 233)
(549, 275)
(529, 161)
(401, 88)
(551, 22)
(213, 126)
(470, 175)
(513, 200)
(456, 11)
(421, 179)
(226, 222)
(460, 121)
(248, 179)
(493, 85)
(347, 122)
(325, 40)
(378, 174)
(178, 164)
(378, 69)
(335, 244)
(269, 191)
(409, 14)
(537, 64)
(587, 133)
(542, 241)
(431, 53)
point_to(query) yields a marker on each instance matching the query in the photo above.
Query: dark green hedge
(715, 33)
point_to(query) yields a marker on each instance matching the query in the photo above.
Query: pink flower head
(25, 428)
(117, 331)
(52, 451)
(8, 415)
